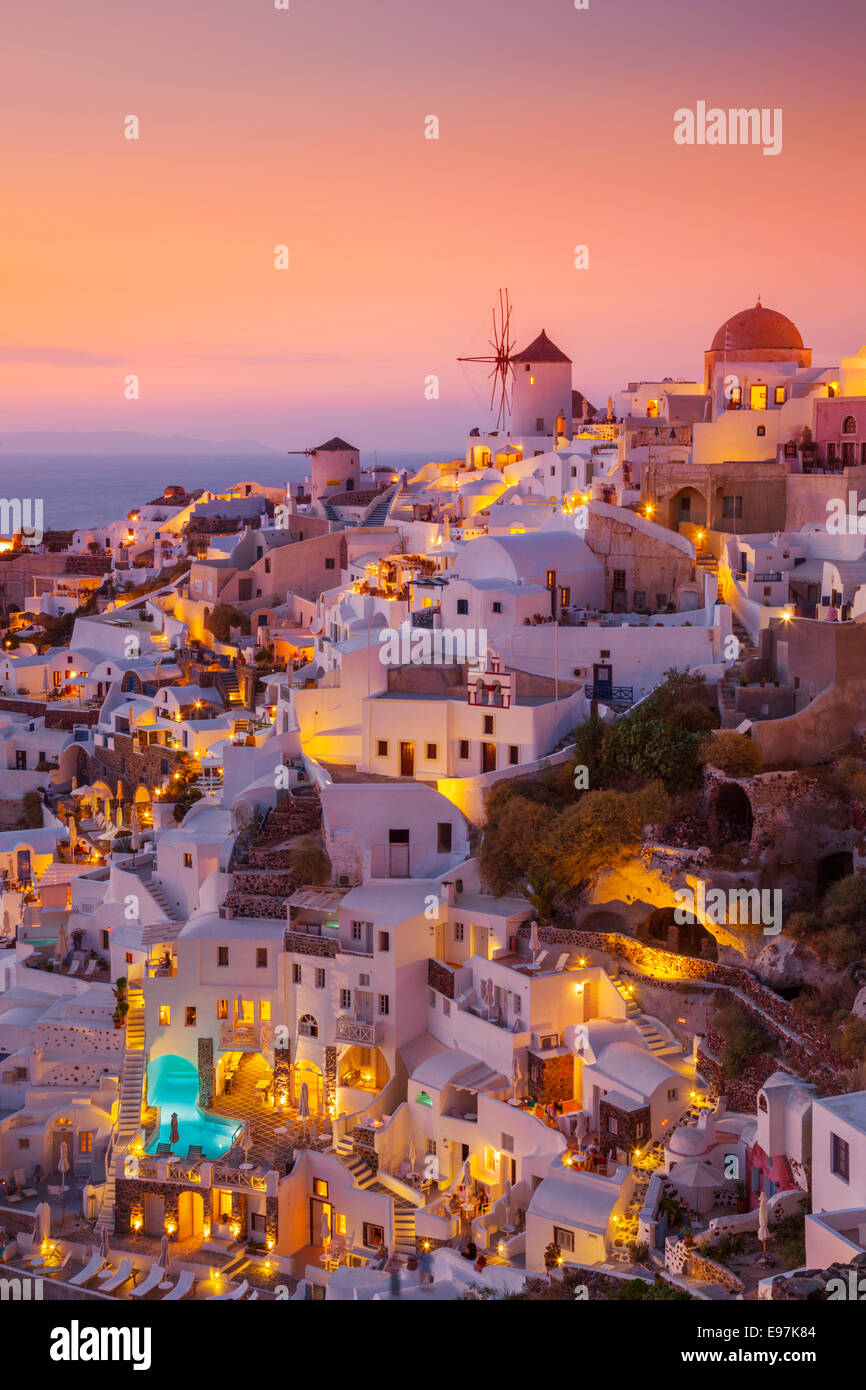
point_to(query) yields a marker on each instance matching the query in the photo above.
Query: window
(539, 422)
(373, 1235)
(736, 395)
(619, 579)
(463, 605)
(446, 1006)
(432, 752)
(330, 563)
(674, 1094)
(128, 957)
(320, 1187)
(640, 598)
(780, 395)
(189, 1016)
(265, 1010)
(222, 1008)
(661, 601)
(563, 1238)
(384, 941)
(320, 977)
(458, 931)
(613, 1124)
(488, 723)
(758, 398)
(261, 958)
(187, 861)
(849, 425)
(258, 1223)
(222, 955)
(762, 430)
(550, 579)
(384, 1004)
(513, 754)
(296, 974)
(732, 507)
(464, 742)
(443, 837)
(164, 1015)
(839, 1157)
(308, 1026)
(382, 748)
(497, 607)
(85, 1141)
(357, 931)
(345, 999)
(24, 1143)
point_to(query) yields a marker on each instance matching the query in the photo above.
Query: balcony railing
(245, 1037)
(620, 694)
(354, 1030)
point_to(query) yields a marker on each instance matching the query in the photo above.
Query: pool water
(172, 1085)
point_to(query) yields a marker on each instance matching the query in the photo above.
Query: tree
(516, 844)
(308, 861)
(852, 1044)
(223, 618)
(32, 811)
(745, 1037)
(604, 829)
(541, 890)
(732, 753)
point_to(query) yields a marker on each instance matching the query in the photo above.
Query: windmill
(500, 362)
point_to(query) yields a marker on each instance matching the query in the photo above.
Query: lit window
(85, 1141)
(164, 1015)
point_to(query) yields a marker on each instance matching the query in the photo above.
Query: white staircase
(404, 1228)
(129, 1110)
(171, 910)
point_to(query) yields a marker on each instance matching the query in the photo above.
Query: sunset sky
(306, 127)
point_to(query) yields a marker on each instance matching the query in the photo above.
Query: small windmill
(502, 344)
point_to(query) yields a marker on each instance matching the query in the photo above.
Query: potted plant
(552, 1256)
(412, 1262)
(121, 1002)
(480, 1261)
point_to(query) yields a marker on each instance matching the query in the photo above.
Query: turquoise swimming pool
(172, 1085)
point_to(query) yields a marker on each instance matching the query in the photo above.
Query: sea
(80, 490)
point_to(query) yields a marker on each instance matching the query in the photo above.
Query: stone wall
(441, 977)
(141, 766)
(303, 944)
(625, 1136)
(550, 1078)
(205, 1072)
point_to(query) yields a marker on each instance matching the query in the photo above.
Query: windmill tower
(530, 390)
(500, 362)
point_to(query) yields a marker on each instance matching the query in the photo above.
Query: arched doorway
(143, 807)
(831, 869)
(661, 929)
(308, 1074)
(688, 506)
(190, 1215)
(733, 818)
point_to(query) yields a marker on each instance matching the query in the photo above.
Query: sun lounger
(91, 966)
(232, 1296)
(21, 1183)
(90, 1270)
(153, 1281)
(125, 1270)
(181, 1288)
(162, 1149)
(55, 1269)
(254, 1295)
(73, 969)
(195, 1152)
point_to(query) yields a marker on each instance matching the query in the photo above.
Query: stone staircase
(705, 560)
(651, 1036)
(128, 1122)
(362, 1174)
(729, 684)
(171, 910)
(404, 1228)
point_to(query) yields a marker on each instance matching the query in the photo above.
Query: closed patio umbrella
(515, 1075)
(413, 1154)
(63, 1165)
(174, 1132)
(135, 840)
(38, 1237)
(304, 1106)
(62, 947)
(163, 1253)
(763, 1221)
(507, 1223)
(246, 1139)
(326, 1230)
(103, 1244)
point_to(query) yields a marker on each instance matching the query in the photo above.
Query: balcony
(354, 1030)
(245, 1037)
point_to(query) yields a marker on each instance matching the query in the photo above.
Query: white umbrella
(413, 1153)
(326, 1230)
(763, 1221)
(62, 947)
(304, 1106)
(533, 937)
(507, 1223)
(515, 1075)
(163, 1253)
(63, 1165)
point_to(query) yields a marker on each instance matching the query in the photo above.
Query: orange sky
(306, 127)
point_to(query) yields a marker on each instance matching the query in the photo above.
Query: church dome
(752, 330)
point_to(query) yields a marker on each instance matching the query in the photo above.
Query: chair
(20, 1181)
(185, 1283)
(163, 1149)
(90, 1271)
(154, 1279)
(90, 968)
(232, 1296)
(73, 969)
(55, 1270)
(125, 1270)
(195, 1152)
